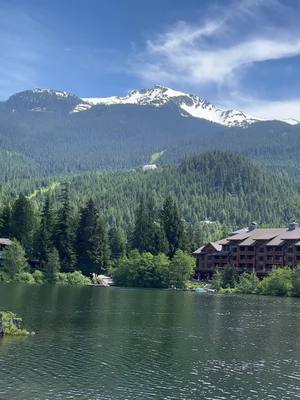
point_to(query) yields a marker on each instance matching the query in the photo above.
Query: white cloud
(218, 51)
(274, 109)
(184, 53)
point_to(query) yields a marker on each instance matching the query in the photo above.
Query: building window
(261, 249)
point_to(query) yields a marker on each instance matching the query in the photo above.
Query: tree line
(58, 239)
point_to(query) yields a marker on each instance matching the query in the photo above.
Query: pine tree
(173, 226)
(103, 248)
(23, 222)
(159, 243)
(91, 241)
(148, 235)
(63, 237)
(44, 236)
(6, 221)
(144, 228)
(52, 266)
(117, 243)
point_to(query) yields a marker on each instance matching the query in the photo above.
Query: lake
(111, 343)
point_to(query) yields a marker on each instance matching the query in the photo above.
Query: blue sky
(243, 54)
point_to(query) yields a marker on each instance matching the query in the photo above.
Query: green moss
(11, 325)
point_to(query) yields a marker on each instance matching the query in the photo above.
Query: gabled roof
(198, 251)
(269, 237)
(216, 245)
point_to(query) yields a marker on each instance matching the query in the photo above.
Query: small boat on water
(205, 289)
(200, 290)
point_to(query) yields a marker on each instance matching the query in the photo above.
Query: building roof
(216, 245)
(5, 241)
(269, 236)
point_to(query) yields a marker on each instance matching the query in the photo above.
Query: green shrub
(4, 277)
(248, 284)
(11, 324)
(181, 269)
(296, 282)
(217, 280)
(38, 277)
(278, 283)
(227, 278)
(72, 278)
(24, 277)
(15, 260)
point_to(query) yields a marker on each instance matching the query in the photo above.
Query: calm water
(94, 343)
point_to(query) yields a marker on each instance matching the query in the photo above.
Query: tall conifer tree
(63, 238)
(44, 237)
(148, 235)
(117, 243)
(22, 222)
(91, 241)
(173, 226)
(5, 226)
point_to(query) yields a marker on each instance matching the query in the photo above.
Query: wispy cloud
(281, 109)
(215, 50)
(219, 50)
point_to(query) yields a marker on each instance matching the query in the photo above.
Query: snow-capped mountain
(192, 105)
(42, 100)
(125, 132)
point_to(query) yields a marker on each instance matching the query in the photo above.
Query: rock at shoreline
(11, 325)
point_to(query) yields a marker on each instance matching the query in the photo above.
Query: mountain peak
(192, 105)
(43, 100)
(52, 92)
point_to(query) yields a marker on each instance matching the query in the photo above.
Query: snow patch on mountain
(291, 121)
(58, 93)
(191, 104)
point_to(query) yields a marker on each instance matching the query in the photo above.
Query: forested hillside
(215, 186)
(42, 128)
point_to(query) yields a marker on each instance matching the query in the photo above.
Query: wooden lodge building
(251, 250)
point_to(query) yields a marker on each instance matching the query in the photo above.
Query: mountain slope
(191, 105)
(42, 126)
(215, 186)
